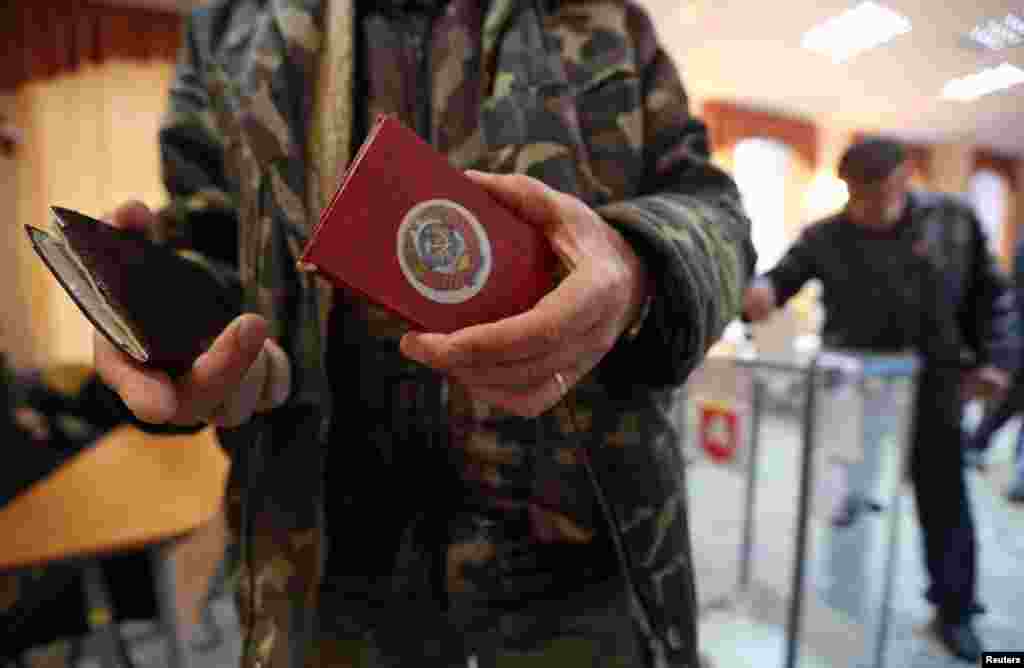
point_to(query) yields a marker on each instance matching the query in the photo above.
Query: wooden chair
(130, 490)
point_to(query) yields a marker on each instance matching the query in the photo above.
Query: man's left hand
(986, 382)
(525, 364)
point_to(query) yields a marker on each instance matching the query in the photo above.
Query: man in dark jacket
(901, 271)
(1011, 405)
(511, 492)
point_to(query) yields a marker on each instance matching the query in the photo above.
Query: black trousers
(940, 490)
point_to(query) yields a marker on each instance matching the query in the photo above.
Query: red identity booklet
(413, 234)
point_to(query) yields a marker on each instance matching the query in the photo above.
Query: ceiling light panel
(998, 34)
(865, 26)
(985, 82)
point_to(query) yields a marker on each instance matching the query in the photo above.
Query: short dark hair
(871, 160)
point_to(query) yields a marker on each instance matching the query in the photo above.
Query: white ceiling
(749, 51)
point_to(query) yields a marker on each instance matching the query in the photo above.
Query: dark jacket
(930, 284)
(1018, 275)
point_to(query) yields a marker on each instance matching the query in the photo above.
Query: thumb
(527, 197)
(219, 372)
(132, 215)
(540, 205)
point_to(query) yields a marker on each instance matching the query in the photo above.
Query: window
(760, 168)
(989, 194)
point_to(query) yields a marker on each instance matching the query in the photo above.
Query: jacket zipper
(431, 393)
(420, 34)
(654, 629)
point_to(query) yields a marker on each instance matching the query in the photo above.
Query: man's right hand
(759, 300)
(241, 374)
(986, 382)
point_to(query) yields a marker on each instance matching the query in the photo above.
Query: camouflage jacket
(582, 98)
(932, 285)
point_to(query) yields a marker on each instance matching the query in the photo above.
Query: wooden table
(130, 491)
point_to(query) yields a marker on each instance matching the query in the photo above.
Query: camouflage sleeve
(79, 407)
(688, 225)
(201, 215)
(200, 221)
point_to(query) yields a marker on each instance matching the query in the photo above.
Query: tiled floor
(844, 567)
(751, 631)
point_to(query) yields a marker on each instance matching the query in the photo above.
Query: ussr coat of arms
(444, 251)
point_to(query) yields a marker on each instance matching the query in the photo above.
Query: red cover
(415, 235)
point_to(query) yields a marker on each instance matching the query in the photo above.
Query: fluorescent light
(1014, 23)
(858, 29)
(999, 34)
(986, 81)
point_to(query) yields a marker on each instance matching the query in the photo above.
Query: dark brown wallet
(159, 307)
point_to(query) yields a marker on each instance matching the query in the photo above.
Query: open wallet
(159, 307)
(414, 235)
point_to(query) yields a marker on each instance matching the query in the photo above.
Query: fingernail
(408, 345)
(251, 332)
(418, 348)
(279, 394)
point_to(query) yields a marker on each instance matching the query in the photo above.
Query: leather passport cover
(414, 235)
(157, 306)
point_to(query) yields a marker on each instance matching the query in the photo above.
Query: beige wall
(21, 334)
(951, 167)
(833, 140)
(91, 143)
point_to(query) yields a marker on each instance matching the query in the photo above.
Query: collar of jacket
(294, 38)
(271, 102)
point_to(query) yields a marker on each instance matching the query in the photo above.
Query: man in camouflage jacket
(482, 482)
